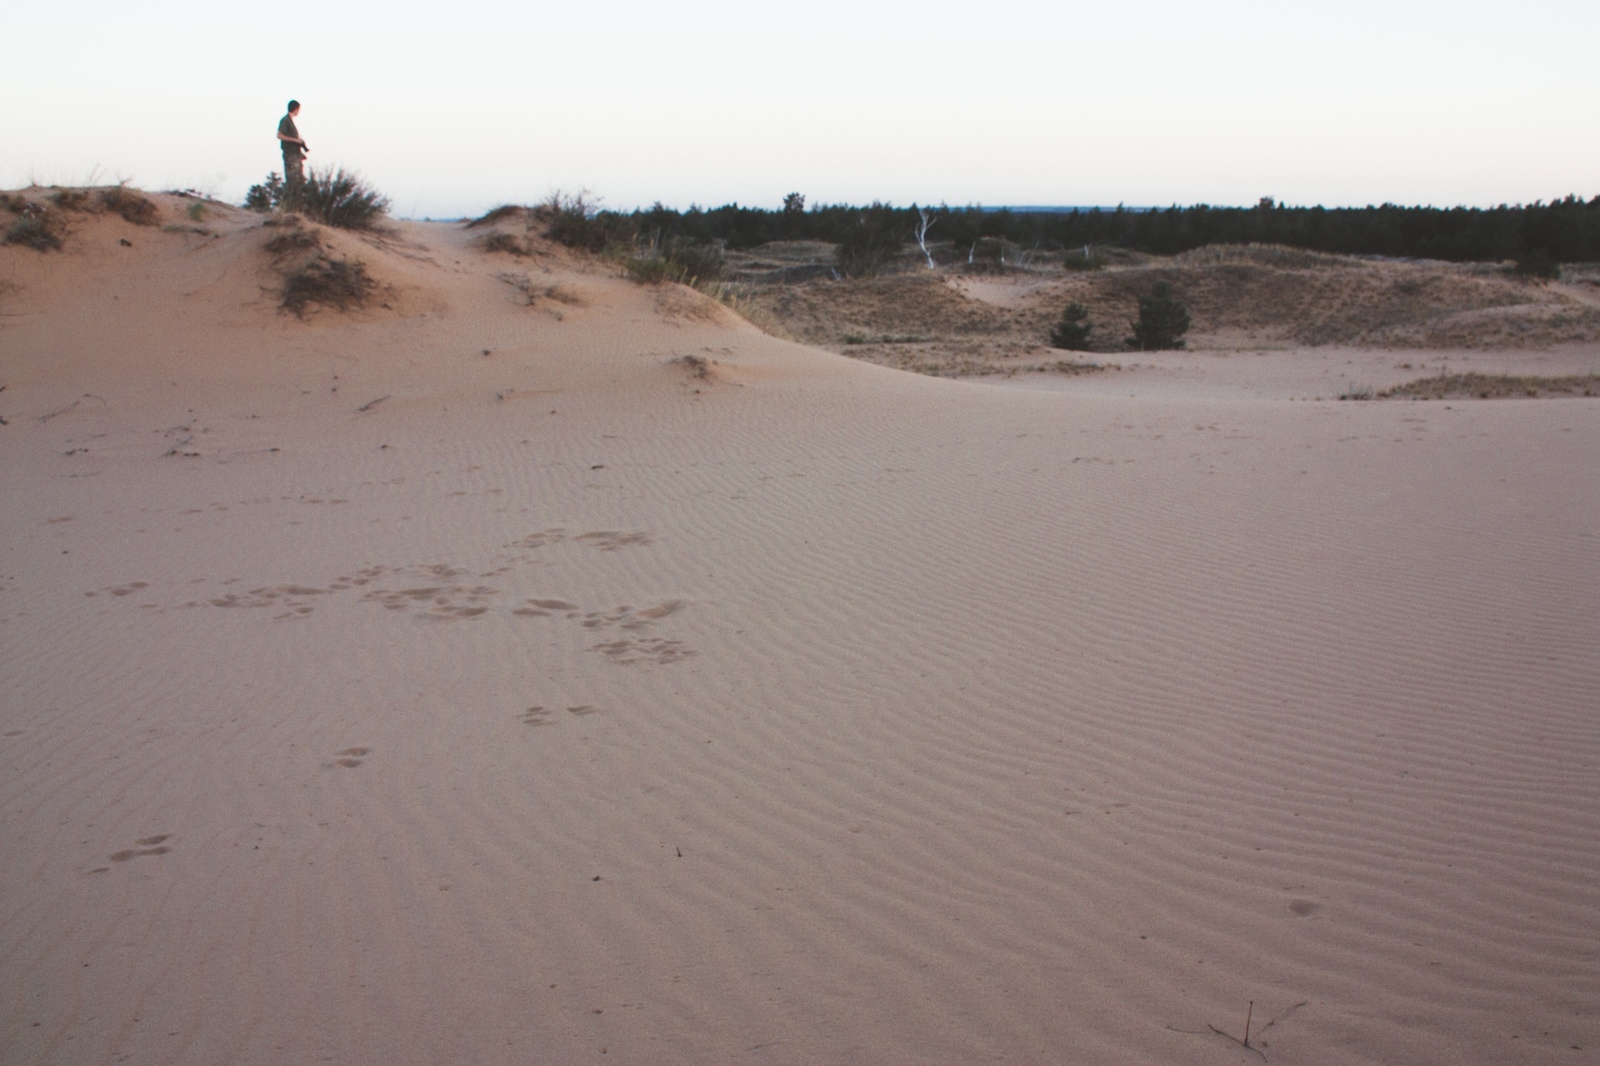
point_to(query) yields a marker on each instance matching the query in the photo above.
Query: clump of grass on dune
(676, 259)
(139, 210)
(343, 284)
(1494, 386)
(36, 227)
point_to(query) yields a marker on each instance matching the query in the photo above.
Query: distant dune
(524, 665)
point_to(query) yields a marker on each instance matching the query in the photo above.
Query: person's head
(294, 107)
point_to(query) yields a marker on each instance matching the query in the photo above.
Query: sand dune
(485, 680)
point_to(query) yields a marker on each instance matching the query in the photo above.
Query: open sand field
(537, 667)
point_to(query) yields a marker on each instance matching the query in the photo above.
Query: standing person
(294, 150)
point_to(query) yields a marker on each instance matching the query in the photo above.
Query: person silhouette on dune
(294, 149)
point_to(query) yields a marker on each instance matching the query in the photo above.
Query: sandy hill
(967, 321)
(532, 666)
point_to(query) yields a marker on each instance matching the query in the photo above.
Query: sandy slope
(370, 698)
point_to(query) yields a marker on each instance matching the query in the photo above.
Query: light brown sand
(369, 698)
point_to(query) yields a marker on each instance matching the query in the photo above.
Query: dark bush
(72, 200)
(1072, 332)
(131, 206)
(575, 222)
(1162, 322)
(871, 241)
(1082, 259)
(37, 227)
(1539, 265)
(338, 198)
(337, 283)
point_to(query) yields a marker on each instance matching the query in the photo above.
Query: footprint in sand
(1303, 908)
(534, 716)
(608, 540)
(636, 650)
(151, 845)
(350, 758)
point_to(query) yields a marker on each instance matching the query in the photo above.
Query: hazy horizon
(1151, 104)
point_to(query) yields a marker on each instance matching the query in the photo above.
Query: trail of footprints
(444, 593)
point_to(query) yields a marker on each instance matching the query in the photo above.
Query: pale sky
(454, 108)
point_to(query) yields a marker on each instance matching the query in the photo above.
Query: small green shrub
(38, 228)
(1082, 259)
(1072, 332)
(267, 196)
(339, 283)
(337, 198)
(1162, 322)
(131, 206)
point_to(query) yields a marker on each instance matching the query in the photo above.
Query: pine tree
(1163, 321)
(1072, 333)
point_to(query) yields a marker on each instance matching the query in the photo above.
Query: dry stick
(1247, 1017)
(370, 404)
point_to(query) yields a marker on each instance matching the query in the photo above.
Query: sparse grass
(72, 200)
(1494, 386)
(342, 284)
(338, 198)
(139, 210)
(37, 227)
(1357, 392)
(506, 242)
(678, 259)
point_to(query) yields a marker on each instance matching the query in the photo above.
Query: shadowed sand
(500, 676)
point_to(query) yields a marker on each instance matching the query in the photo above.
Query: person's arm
(286, 139)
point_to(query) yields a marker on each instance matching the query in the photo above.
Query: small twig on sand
(370, 404)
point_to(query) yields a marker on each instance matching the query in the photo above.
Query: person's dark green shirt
(286, 128)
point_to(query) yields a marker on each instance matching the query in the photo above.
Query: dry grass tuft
(342, 284)
(293, 239)
(139, 210)
(1494, 387)
(509, 243)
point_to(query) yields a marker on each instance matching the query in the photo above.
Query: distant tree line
(1566, 230)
